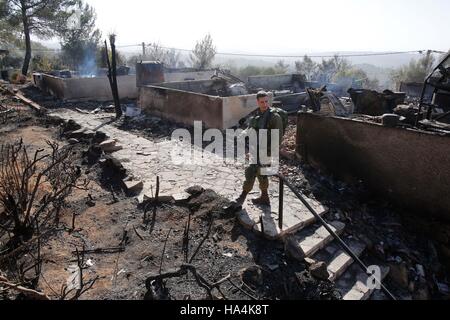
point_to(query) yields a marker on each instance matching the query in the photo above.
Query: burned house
(401, 158)
(219, 102)
(290, 90)
(94, 85)
(70, 86)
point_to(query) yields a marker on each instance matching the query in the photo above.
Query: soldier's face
(263, 103)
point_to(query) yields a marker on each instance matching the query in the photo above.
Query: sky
(280, 26)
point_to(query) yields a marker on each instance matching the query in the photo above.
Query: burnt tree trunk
(112, 75)
(26, 31)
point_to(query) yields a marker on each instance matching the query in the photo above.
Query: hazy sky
(280, 26)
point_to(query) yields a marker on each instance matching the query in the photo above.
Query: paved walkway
(144, 160)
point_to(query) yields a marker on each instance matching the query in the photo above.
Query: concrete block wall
(409, 167)
(97, 88)
(187, 107)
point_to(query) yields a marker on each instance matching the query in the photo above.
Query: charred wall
(97, 89)
(181, 106)
(411, 168)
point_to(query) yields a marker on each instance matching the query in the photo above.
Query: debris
(99, 137)
(195, 190)
(73, 141)
(443, 288)
(181, 197)
(390, 120)
(228, 255)
(27, 292)
(82, 111)
(121, 271)
(161, 198)
(420, 270)
(399, 274)
(291, 248)
(90, 263)
(252, 276)
(272, 267)
(133, 186)
(319, 270)
(102, 250)
(90, 203)
(216, 237)
(110, 146)
(115, 166)
(73, 282)
(94, 153)
(82, 134)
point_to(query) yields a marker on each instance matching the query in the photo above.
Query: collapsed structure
(400, 151)
(396, 142)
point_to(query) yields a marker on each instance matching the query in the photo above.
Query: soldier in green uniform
(267, 118)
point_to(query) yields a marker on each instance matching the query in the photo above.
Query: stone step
(307, 242)
(295, 217)
(353, 284)
(336, 258)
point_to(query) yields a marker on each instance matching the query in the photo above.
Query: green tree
(42, 18)
(80, 39)
(203, 53)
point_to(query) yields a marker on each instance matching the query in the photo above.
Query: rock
(292, 250)
(181, 197)
(99, 137)
(82, 133)
(71, 125)
(252, 276)
(399, 274)
(133, 186)
(110, 146)
(195, 190)
(115, 166)
(73, 141)
(319, 270)
(94, 153)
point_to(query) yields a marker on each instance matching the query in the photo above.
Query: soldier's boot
(263, 200)
(240, 201)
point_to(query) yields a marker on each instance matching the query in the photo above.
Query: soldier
(267, 118)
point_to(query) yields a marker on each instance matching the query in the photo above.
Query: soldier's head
(263, 100)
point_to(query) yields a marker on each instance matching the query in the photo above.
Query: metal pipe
(335, 236)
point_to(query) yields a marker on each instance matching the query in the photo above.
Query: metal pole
(335, 236)
(280, 204)
(143, 50)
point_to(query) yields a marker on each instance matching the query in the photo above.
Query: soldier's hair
(261, 94)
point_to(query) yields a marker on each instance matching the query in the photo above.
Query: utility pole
(143, 50)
